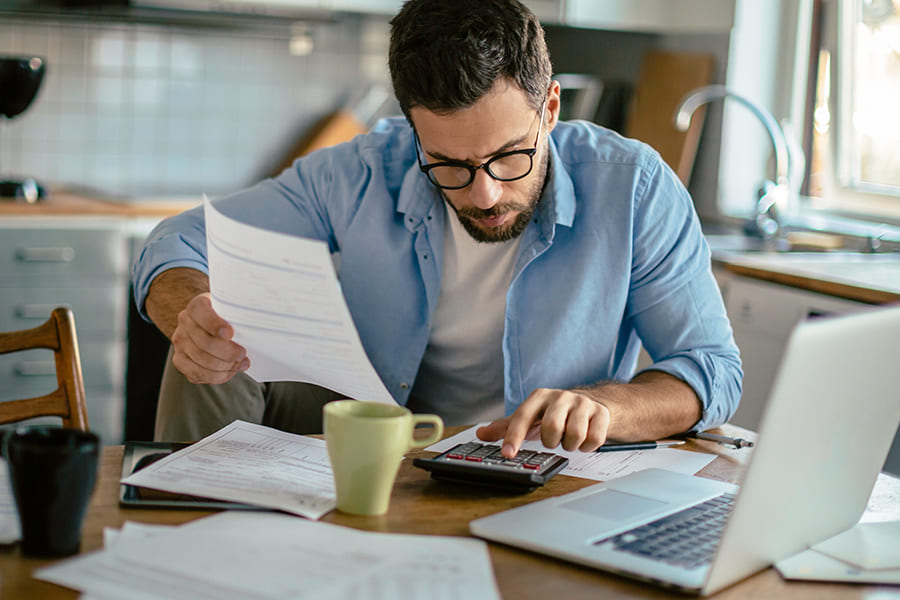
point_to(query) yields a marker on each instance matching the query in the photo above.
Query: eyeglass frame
(529, 152)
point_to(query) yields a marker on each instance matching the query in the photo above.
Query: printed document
(281, 295)
(9, 516)
(601, 466)
(260, 556)
(249, 463)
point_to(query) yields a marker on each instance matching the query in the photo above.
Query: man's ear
(554, 105)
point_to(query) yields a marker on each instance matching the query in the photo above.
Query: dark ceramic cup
(53, 471)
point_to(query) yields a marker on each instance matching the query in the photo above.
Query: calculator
(482, 464)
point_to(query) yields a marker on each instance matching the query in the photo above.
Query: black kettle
(20, 80)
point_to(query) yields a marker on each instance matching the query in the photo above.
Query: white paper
(263, 556)
(9, 515)
(249, 463)
(814, 566)
(601, 466)
(866, 545)
(281, 295)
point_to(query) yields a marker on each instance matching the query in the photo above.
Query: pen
(639, 446)
(721, 439)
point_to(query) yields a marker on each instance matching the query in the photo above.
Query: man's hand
(202, 346)
(555, 416)
(180, 305)
(652, 406)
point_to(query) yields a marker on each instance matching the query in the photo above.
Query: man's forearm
(652, 406)
(170, 292)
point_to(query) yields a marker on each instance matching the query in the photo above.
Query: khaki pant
(188, 412)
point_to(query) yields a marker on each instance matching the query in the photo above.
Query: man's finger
(521, 422)
(201, 312)
(493, 431)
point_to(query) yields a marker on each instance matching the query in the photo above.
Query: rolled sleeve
(689, 337)
(675, 303)
(178, 241)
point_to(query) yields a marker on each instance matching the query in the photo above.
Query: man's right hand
(179, 304)
(202, 347)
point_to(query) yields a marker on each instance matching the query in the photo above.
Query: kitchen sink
(792, 243)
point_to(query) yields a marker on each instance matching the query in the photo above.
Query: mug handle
(436, 433)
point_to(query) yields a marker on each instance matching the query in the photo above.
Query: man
(499, 265)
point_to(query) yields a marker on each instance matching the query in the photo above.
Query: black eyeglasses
(506, 166)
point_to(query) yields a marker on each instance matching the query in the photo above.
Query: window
(853, 131)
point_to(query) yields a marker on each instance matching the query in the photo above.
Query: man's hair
(446, 54)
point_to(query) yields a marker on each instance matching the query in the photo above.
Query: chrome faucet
(765, 221)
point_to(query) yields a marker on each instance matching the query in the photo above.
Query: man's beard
(470, 215)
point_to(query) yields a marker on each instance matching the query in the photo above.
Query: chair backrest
(68, 400)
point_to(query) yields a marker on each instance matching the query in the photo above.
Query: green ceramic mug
(366, 442)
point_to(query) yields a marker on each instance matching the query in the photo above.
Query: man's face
(501, 121)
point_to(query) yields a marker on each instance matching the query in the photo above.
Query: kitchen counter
(61, 203)
(870, 278)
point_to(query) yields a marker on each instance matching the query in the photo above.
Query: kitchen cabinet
(45, 263)
(75, 251)
(763, 315)
(652, 16)
(376, 7)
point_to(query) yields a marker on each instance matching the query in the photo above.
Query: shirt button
(404, 386)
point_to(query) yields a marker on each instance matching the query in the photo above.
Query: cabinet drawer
(33, 373)
(99, 312)
(42, 253)
(775, 309)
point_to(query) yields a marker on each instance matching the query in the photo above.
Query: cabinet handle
(37, 311)
(64, 254)
(33, 368)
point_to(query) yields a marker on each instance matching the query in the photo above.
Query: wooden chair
(68, 401)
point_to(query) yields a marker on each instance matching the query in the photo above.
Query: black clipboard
(141, 454)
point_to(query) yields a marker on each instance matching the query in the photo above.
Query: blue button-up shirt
(614, 257)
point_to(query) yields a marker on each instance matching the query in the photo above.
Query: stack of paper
(260, 556)
(865, 553)
(252, 464)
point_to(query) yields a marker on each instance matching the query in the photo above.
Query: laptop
(828, 425)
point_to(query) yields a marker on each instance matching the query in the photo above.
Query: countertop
(62, 203)
(870, 278)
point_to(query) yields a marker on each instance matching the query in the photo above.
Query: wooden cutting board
(664, 80)
(339, 126)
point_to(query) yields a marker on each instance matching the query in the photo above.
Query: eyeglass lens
(504, 168)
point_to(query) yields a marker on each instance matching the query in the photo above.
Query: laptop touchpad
(611, 504)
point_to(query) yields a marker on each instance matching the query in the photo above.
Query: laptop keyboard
(687, 538)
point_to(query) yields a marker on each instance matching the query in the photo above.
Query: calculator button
(474, 458)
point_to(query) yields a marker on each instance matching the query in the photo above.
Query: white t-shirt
(461, 375)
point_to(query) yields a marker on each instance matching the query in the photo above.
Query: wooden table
(423, 506)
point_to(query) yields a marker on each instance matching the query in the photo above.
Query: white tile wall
(146, 110)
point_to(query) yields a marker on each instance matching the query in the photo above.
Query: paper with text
(263, 556)
(601, 466)
(249, 463)
(281, 295)
(9, 515)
